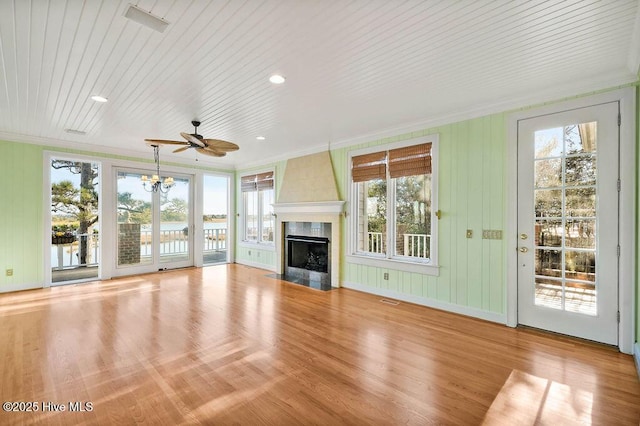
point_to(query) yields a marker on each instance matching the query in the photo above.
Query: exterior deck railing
(414, 245)
(172, 242)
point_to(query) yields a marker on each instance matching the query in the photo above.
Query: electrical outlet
(9, 272)
(469, 233)
(386, 276)
(249, 252)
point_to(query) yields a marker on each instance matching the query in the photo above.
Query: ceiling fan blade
(192, 139)
(184, 148)
(210, 152)
(165, 142)
(221, 145)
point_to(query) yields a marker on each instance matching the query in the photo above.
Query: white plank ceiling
(353, 68)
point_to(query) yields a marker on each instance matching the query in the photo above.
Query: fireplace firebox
(309, 253)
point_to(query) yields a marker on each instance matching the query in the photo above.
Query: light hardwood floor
(228, 345)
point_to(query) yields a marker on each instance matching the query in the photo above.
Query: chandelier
(155, 184)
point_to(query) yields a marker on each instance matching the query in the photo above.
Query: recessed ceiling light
(145, 18)
(277, 79)
(260, 138)
(99, 98)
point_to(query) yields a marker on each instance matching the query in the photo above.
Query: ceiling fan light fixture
(145, 18)
(99, 98)
(277, 79)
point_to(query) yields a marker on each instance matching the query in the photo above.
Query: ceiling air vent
(145, 18)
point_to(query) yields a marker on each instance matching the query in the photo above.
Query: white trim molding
(430, 303)
(256, 265)
(626, 292)
(636, 356)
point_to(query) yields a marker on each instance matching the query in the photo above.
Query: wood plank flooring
(227, 345)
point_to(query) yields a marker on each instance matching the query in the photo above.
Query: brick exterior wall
(128, 243)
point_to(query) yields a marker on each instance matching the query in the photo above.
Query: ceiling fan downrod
(196, 123)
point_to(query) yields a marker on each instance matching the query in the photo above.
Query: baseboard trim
(256, 265)
(431, 303)
(636, 356)
(19, 287)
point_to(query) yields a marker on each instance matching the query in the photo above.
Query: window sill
(258, 245)
(395, 264)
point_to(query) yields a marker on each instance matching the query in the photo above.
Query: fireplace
(308, 198)
(308, 253)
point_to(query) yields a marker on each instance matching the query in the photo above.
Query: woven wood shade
(254, 182)
(265, 180)
(410, 161)
(369, 167)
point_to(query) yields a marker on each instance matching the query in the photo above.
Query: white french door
(154, 229)
(567, 223)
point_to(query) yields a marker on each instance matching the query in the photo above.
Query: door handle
(523, 250)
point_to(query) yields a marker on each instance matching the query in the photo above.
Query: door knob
(523, 250)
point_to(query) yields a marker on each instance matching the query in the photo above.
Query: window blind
(255, 182)
(369, 167)
(410, 161)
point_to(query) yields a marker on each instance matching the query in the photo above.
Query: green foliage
(131, 210)
(377, 220)
(174, 210)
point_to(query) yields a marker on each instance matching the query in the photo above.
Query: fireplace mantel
(311, 211)
(309, 208)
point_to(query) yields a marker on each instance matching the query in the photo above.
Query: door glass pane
(581, 170)
(581, 202)
(548, 202)
(174, 222)
(75, 247)
(548, 173)
(215, 220)
(135, 231)
(549, 232)
(565, 227)
(581, 233)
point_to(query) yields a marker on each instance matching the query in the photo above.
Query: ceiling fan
(212, 147)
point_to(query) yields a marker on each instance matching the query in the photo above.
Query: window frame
(259, 242)
(390, 260)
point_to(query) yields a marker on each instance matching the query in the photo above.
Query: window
(257, 207)
(393, 202)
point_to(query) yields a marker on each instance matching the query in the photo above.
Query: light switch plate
(491, 234)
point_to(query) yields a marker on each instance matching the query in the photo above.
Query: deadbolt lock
(523, 250)
(523, 236)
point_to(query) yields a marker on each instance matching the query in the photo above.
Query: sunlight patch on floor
(526, 399)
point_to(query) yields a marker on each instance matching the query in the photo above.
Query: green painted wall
(471, 194)
(21, 215)
(22, 211)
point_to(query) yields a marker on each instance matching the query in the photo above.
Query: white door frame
(46, 194)
(626, 294)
